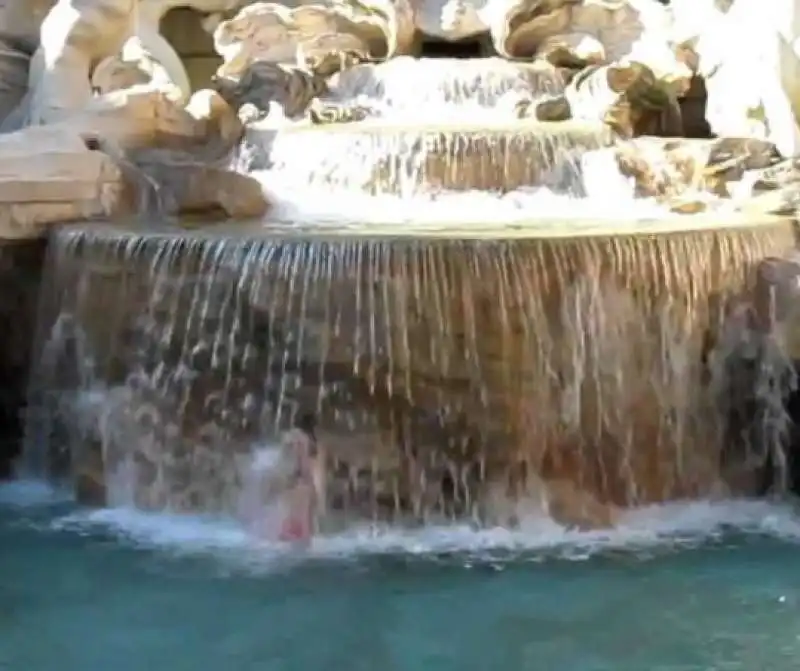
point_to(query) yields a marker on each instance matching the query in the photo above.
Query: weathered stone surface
(220, 123)
(53, 173)
(48, 175)
(135, 65)
(672, 167)
(621, 95)
(181, 182)
(264, 84)
(74, 169)
(75, 34)
(275, 33)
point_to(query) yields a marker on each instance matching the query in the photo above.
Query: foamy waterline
(536, 209)
(666, 527)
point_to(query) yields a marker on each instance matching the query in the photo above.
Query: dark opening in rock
(474, 47)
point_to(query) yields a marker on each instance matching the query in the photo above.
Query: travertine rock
(621, 95)
(171, 182)
(55, 172)
(75, 35)
(272, 32)
(670, 168)
(135, 65)
(572, 50)
(48, 175)
(264, 84)
(219, 120)
(139, 117)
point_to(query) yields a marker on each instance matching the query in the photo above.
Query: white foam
(416, 90)
(609, 197)
(31, 494)
(535, 207)
(266, 458)
(672, 526)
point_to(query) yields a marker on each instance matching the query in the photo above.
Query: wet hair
(307, 423)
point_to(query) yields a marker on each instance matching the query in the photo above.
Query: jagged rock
(219, 120)
(668, 168)
(572, 50)
(326, 65)
(274, 33)
(135, 66)
(74, 35)
(634, 29)
(181, 182)
(48, 175)
(263, 84)
(621, 95)
(550, 109)
(327, 113)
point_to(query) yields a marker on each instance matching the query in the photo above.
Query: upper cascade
(117, 104)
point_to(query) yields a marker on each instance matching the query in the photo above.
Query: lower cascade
(419, 290)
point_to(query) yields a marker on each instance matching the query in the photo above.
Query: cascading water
(443, 145)
(469, 311)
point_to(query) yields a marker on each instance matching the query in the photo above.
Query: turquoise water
(696, 587)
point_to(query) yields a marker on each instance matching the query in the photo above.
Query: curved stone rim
(518, 232)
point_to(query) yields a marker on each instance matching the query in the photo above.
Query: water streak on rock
(435, 368)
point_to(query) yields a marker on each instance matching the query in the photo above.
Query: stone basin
(578, 349)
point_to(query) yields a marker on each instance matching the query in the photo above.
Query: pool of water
(692, 587)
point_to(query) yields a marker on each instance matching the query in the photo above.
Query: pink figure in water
(300, 499)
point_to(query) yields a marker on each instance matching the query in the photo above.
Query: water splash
(442, 143)
(412, 90)
(642, 533)
(204, 346)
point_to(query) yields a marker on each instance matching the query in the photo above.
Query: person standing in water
(302, 499)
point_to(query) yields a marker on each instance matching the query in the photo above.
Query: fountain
(492, 285)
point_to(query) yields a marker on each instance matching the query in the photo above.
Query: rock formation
(630, 63)
(98, 71)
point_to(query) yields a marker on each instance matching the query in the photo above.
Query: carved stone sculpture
(747, 55)
(75, 35)
(272, 32)
(135, 65)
